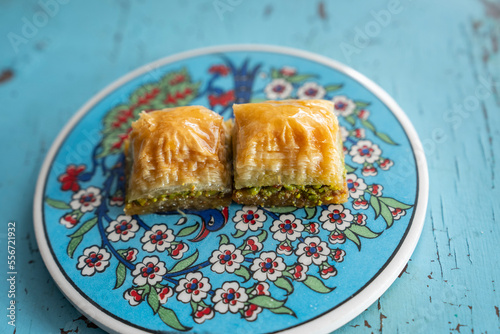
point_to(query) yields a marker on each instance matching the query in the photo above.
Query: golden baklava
(178, 158)
(288, 153)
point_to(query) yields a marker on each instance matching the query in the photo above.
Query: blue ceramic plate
(244, 269)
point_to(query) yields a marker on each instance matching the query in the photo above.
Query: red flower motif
(69, 179)
(219, 69)
(223, 99)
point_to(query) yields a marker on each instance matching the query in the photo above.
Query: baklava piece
(178, 158)
(288, 153)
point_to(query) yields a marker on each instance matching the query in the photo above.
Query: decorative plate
(241, 268)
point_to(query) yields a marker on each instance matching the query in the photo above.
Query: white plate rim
(324, 323)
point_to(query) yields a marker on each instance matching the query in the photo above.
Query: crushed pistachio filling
(310, 192)
(181, 195)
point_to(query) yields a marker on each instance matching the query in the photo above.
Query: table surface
(439, 59)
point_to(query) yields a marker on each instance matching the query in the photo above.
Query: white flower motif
(284, 248)
(249, 218)
(133, 296)
(327, 272)
(369, 170)
(288, 71)
(360, 204)
(359, 133)
(337, 238)
(299, 272)
(338, 255)
(86, 200)
(164, 294)
(376, 189)
(230, 297)
(365, 151)
(344, 133)
(267, 266)
(130, 254)
(355, 186)
(363, 114)
(177, 251)
(203, 313)
(69, 220)
(343, 106)
(261, 289)
(94, 259)
(311, 90)
(149, 271)
(226, 258)
(194, 287)
(397, 213)
(312, 250)
(336, 217)
(278, 89)
(158, 238)
(312, 228)
(116, 200)
(360, 219)
(123, 228)
(287, 227)
(253, 244)
(385, 164)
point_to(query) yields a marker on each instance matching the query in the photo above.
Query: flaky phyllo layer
(284, 143)
(177, 157)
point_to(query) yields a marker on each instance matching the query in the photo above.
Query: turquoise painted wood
(439, 60)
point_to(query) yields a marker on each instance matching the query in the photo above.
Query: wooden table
(439, 59)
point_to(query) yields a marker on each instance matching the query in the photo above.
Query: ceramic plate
(244, 269)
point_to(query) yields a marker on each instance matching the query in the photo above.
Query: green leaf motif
(349, 169)
(363, 231)
(310, 212)
(239, 234)
(350, 119)
(375, 203)
(353, 237)
(266, 302)
(299, 77)
(262, 236)
(73, 243)
(243, 272)
(121, 273)
(332, 88)
(181, 265)
(153, 300)
(275, 74)
(188, 230)
(360, 104)
(283, 310)
(367, 124)
(57, 204)
(393, 203)
(386, 214)
(87, 226)
(385, 138)
(284, 284)
(170, 319)
(315, 284)
(282, 209)
(224, 240)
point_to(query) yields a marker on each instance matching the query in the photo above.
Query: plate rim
(325, 322)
